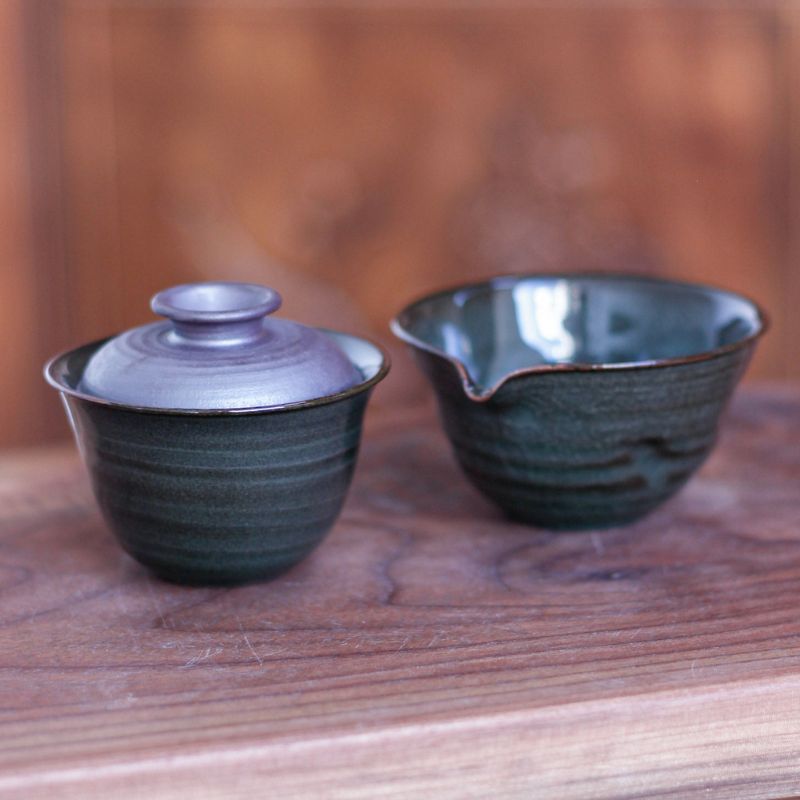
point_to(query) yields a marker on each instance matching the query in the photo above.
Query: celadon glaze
(220, 496)
(581, 401)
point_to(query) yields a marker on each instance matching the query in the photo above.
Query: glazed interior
(514, 323)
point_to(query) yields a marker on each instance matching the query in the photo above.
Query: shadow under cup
(581, 401)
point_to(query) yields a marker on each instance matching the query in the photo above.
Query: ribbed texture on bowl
(572, 450)
(219, 499)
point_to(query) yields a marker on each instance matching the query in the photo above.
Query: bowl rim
(510, 279)
(50, 370)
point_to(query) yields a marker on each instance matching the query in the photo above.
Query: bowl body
(226, 497)
(582, 401)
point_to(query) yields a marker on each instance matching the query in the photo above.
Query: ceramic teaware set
(221, 443)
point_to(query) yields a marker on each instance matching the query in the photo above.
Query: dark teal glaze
(585, 449)
(220, 498)
(584, 443)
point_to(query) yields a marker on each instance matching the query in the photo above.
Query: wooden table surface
(428, 649)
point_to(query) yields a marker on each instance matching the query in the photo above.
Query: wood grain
(30, 277)
(428, 648)
(790, 73)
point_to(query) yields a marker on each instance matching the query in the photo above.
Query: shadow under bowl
(228, 497)
(581, 401)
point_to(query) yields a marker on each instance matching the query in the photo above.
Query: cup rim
(510, 279)
(52, 377)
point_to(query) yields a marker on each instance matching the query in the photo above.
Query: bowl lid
(218, 350)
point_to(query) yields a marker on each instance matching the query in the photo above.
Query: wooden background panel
(355, 157)
(32, 322)
(383, 152)
(17, 291)
(791, 74)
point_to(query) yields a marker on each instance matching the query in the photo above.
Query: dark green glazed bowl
(581, 401)
(226, 497)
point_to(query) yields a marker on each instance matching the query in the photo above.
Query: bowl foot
(570, 523)
(201, 577)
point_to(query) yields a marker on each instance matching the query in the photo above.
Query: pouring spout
(472, 389)
(450, 375)
(455, 371)
(480, 393)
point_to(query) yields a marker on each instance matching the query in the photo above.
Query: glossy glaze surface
(581, 402)
(219, 350)
(220, 497)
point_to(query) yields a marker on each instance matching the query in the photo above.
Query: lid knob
(216, 313)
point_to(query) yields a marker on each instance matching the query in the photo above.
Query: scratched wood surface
(428, 648)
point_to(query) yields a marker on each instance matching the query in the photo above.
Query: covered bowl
(220, 443)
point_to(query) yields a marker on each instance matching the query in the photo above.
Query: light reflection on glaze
(541, 316)
(511, 324)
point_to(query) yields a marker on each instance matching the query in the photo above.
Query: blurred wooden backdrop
(355, 155)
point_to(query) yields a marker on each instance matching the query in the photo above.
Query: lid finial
(221, 312)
